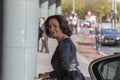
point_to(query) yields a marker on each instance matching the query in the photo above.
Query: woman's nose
(51, 28)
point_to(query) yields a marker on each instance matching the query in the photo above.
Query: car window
(119, 34)
(109, 31)
(110, 71)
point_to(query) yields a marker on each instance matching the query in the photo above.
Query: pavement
(87, 48)
(85, 54)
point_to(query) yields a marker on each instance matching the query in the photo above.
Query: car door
(106, 68)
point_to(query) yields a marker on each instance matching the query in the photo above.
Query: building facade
(18, 35)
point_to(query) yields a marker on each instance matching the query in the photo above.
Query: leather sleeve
(54, 74)
(64, 55)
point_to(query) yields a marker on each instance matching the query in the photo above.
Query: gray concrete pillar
(58, 7)
(52, 7)
(43, 8)
(20, 39)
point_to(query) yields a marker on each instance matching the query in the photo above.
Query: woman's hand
(45, 76)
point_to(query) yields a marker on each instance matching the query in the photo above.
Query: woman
(64, 60)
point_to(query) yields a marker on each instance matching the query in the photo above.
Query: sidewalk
(85, 54)
(86, 47)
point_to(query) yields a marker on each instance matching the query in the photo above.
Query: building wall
(29, 12)
(49, 7)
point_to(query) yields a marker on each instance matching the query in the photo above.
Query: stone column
(43, 8)
(52, 7)
(20, 39)
(58, 7)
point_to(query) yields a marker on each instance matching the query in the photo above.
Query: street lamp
(113, 13)
(73, 5)
(73, 9)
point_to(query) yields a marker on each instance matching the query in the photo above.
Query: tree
(67, 8)
(118, 11)
(99, 8)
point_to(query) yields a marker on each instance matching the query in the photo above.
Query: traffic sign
(89, 13)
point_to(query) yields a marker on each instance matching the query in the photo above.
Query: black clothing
(64, 60)
(96, 30)
(42, 35)
(40, 32)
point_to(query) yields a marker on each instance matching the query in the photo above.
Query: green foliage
(118, 11)
(67, 8)
(103, 8)
(79, 10)
(98, 7)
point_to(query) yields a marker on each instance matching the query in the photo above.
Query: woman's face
(54, 28)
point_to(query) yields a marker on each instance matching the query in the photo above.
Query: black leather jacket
(64, 59)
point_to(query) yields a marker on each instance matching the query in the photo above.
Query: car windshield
(109, 31)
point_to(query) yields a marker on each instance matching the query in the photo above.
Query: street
(109, 50)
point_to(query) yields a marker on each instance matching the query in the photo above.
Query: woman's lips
(52, 33)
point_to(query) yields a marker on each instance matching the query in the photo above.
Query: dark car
(109, 36)
(105, 68)
(119, 34)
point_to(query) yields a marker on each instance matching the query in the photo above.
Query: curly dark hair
(64, 25)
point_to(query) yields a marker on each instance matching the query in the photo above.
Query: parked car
(109, 36)
(119, 34)
(105, 68)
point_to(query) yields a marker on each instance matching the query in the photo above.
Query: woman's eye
(55, 25)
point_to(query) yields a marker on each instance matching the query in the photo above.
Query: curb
(102, 53)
